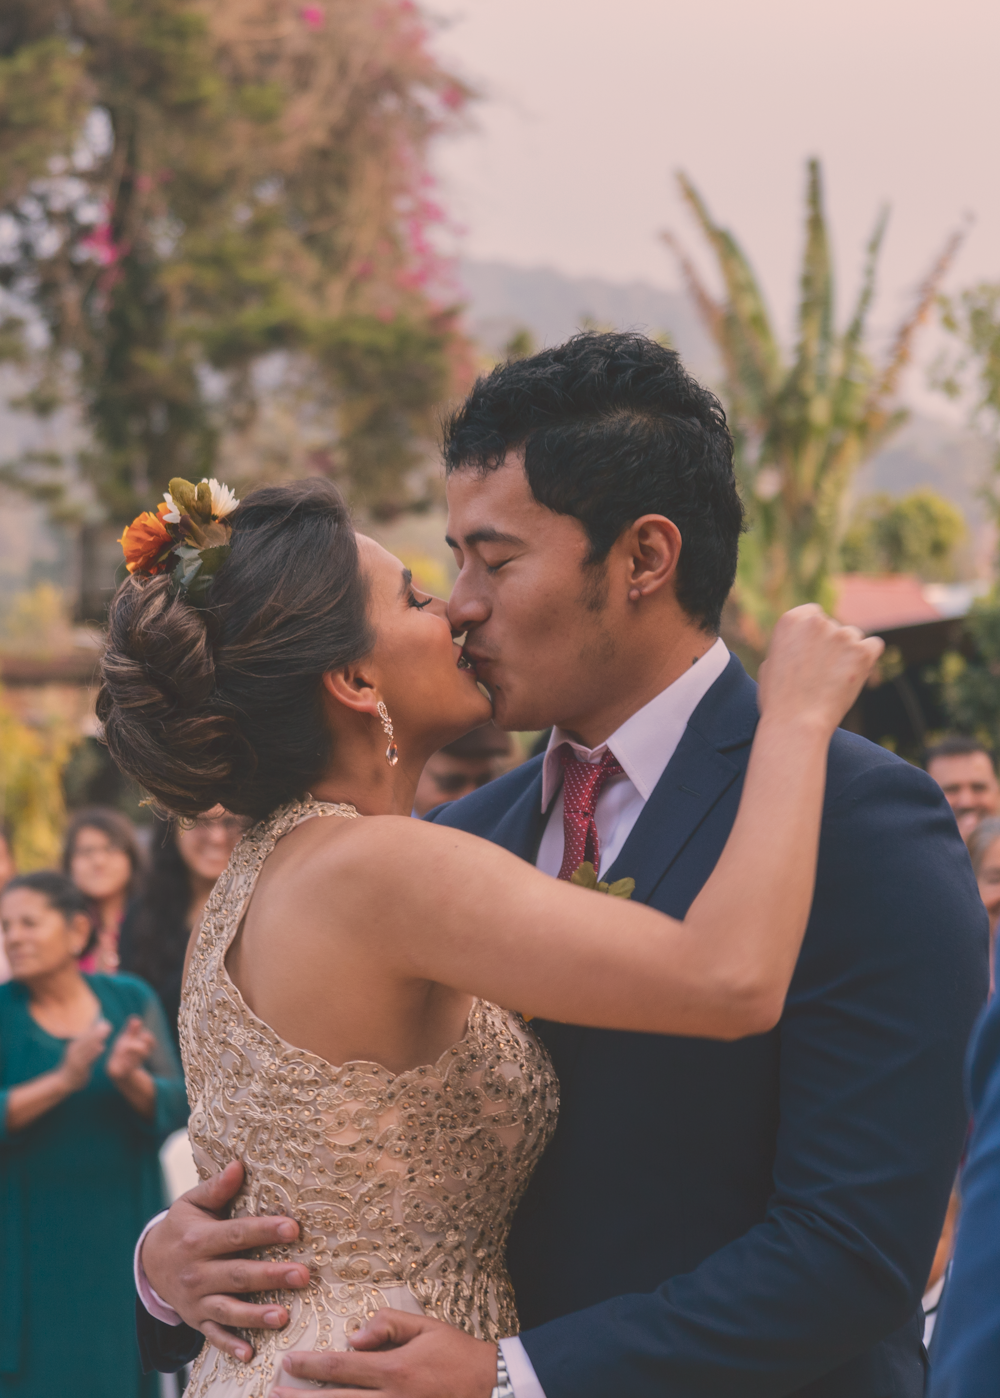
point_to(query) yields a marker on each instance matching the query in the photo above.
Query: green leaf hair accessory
(586, 877)
(188, 537)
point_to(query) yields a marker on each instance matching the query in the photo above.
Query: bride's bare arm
(460, 911)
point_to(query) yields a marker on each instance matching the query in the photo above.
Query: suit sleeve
(966, 1346)
(164, 1347)
(871, 1126)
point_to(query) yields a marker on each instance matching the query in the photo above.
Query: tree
(971, 686)
(212, 207)
(803, 425)
(973, 372)
(915, 533)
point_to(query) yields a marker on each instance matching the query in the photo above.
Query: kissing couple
(691, 1132)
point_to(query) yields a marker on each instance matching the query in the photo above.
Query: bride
(268, 659)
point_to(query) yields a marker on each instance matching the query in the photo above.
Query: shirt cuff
(520, 1370)
(154, 1304)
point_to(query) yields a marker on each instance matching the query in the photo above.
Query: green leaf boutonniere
(586, 877)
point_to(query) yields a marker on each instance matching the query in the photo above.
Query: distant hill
(504, 299)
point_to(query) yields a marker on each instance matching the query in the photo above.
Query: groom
(712, 1220)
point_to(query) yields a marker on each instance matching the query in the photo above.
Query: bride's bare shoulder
(389, 845)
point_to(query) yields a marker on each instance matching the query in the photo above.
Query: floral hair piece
(188, 536)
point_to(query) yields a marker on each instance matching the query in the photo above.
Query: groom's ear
(353, 686)
(652, 547)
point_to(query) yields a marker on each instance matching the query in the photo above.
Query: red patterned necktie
(583, 783)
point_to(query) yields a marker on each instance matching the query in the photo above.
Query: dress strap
(308, 808)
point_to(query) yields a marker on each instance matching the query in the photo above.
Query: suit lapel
(520, 827)
(709, 758)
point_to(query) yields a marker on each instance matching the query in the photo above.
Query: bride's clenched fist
(815, 668)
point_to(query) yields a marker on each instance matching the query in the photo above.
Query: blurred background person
(463, 766)
(103, 857)
(963, 769)
(7, 871)
(984, 850)
(90, 1085)
(184, 863)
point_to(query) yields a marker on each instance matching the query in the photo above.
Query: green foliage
(971, 688)
(520, 345)
(802, 425)
(31, 799)
(586, 877)
(915, 533)
(190, 188)
(973, 318)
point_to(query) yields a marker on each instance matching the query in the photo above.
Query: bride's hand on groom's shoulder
(399, 1355)
(815, 668)
(193, 1261)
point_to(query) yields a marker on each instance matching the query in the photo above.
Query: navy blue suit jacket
(756, 1218)
(966, 1345)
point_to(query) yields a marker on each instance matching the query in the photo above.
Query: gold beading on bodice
(403, 1184)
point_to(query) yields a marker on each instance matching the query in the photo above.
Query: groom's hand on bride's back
(406, 1356)
(193, 1260)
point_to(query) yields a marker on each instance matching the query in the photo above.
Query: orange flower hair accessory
(188, 537)
(147, 542)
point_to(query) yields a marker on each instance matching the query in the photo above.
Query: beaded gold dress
(403, 1184)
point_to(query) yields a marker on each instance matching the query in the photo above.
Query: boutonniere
(586, 877)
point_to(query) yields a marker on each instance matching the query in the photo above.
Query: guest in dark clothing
(965, 1357)
(185, 862)
(103, 857)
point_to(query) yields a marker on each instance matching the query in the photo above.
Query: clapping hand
(130, 1050)
(82, 1053)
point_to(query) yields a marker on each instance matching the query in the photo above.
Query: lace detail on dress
(403, 1185)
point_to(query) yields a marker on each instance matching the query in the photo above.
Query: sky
(590, 106)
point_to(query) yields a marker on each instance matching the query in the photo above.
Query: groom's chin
(512, 716)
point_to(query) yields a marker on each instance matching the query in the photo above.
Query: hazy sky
(590, 105)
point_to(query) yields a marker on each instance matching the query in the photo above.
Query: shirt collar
(646, 742)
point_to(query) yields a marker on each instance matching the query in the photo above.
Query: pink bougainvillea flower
(312, 15)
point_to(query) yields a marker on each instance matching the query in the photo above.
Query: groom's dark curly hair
(612, 427)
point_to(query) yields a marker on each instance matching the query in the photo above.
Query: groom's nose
(466, 606)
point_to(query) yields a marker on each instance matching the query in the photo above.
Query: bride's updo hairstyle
(220, 703)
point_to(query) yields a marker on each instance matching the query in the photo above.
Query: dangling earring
(392, 751)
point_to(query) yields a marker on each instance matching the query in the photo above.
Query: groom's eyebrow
(484, 536)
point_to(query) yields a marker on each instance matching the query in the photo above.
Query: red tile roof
(883, 603)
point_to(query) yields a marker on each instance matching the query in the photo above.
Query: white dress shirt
(644, 744)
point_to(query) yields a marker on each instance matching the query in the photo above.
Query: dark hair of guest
(121, 833)
(613, 427)
(957, 745)
(221, 703)
(156, 928)
(60, 892)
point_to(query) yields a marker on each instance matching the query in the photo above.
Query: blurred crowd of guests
(90, 981)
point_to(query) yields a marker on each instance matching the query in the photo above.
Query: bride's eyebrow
(407, 583)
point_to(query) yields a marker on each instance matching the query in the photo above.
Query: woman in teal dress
(90, 1086)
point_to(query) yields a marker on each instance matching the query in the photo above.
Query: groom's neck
(632, 679)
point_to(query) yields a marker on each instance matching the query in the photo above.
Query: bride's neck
(366, 781)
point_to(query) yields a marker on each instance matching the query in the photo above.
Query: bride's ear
(353, 686)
